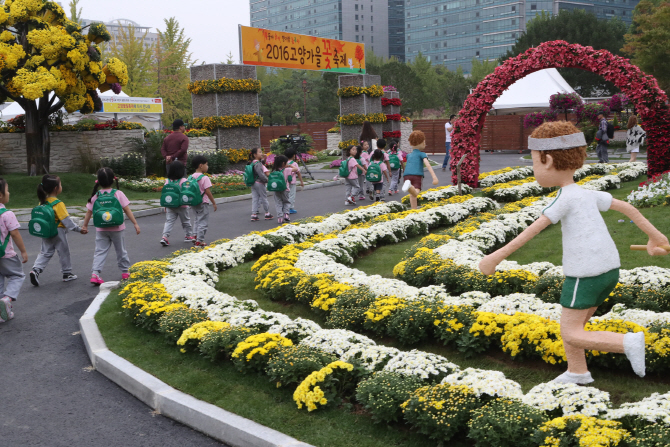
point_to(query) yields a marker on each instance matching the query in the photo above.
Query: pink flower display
(641, 89)
(535, 119)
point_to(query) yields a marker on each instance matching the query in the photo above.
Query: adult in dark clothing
(175, 145)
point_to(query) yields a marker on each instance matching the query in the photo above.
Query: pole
(458, 174)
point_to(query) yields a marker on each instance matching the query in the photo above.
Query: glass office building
(365, 21)
(452, 33)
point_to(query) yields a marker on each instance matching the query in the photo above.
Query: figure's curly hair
(416, 138)
(566, 159)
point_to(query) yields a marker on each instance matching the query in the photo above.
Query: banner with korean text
(124, 104)
(287, 50)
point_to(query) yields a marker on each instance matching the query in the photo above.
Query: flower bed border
(227, 122)
(224, 85)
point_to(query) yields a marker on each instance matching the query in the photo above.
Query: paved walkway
(50, 394)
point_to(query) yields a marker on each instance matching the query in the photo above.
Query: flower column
(225, 101)
(391, 108)
(360, 100)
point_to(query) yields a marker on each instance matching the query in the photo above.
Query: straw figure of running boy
(590, 257)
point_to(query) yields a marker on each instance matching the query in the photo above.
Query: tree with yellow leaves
(46, 63)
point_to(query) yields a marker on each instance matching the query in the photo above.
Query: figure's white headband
(563, 142)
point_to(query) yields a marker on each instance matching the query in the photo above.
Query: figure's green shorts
(584, 293)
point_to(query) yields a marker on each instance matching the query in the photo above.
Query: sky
(211, 24)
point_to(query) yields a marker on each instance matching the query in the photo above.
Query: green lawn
(77, 190)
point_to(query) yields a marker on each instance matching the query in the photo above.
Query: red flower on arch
(642, 90)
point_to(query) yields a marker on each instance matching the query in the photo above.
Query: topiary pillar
(391, 108)
(227, 105)
(360, 99)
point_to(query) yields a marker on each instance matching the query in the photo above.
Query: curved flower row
(642, 89)
(226, 122)
(504, 175)
(224, 85)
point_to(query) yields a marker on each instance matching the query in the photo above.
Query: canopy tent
(149, 121)
(531, 92)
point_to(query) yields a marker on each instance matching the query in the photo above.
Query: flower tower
(391, 107)
(360, 100)
(225, 102)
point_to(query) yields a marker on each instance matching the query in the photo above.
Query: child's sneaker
(371, 194)
(361, 197)
(269, 216)
(200, 244)
(189, 239)
(6, 313)
(280, 220)
(286, 218)
(164, 242)
(390, 193)
(125, 276)
(96, 280)
(69, 277)
(292, 211)
(34, 277)
(254, 218)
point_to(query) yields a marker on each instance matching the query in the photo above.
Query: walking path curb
(211, 420)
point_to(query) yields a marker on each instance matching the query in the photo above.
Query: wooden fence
(318, 131)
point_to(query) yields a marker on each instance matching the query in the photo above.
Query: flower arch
(642, 89)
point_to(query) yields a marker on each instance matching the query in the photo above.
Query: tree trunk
(38, 141)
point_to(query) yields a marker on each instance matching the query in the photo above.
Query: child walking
(349, 171)
(381, 144)
(259, 195)
(278, 182)
(297, 175)
(397, 165)
(11, 268)
(47, 193)
(107, 207)
(363, 157)
(201, 166)
(377, 172)
(177, 174)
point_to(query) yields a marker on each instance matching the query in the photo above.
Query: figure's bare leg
(573, 333)
(577, 356)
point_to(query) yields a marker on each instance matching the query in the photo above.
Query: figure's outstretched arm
(656, 238)
(489, 263)
(430, 169)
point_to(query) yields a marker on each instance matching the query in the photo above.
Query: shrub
(414, 321)
(292, 364)
(325, 386)
(253, 354)
(505, 423)
(655, 435)
(440, 411)
(130, 165)
(215, 345)
(349, 310)
(572, 430)
(172, 324)
(384, 392)
(149, 271)
(217, 161)
(146, 302)
(191, 337)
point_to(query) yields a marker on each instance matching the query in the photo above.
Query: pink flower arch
(642, 89)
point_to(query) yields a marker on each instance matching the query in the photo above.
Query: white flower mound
(298, 328)
(516, 174)
(420, 364)
(371, 357)
(569, 398)
(482, 381)
(336, 341)
(522, 302)
(645, 318)
(655, 409)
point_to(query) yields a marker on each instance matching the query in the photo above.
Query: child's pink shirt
(123, 200)
(204, 183)
(8, 222)
(353, 170)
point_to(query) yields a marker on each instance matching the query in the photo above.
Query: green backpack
(344, 168)
(374, 174)
(190, 191)
(171, 194)
(250, 175)
(394, 162)
(43, 221)
(276, 181)
(107, 211)
(3, 246)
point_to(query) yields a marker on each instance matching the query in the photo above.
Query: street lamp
(305, 90)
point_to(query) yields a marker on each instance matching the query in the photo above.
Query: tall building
(114, 27)
(453, 32)
(365, 21)
(397, 29)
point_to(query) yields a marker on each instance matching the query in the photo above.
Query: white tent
(148, 121)
(531, 92)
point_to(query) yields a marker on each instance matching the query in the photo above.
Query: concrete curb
(209, 419)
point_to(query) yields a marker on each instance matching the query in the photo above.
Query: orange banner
(287, 50)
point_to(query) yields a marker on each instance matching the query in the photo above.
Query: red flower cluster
(642, 90)
(391, 102)
(393, 134)
(393, 117)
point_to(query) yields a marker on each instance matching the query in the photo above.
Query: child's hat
(570, 141)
